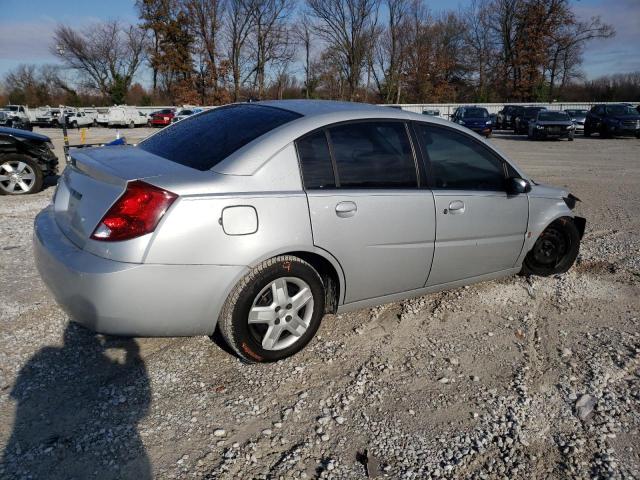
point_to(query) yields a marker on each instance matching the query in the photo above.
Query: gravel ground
(518, 378)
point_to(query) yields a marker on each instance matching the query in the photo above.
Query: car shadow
(78, 409)
(50, 181)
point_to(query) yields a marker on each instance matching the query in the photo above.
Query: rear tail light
(137, 212)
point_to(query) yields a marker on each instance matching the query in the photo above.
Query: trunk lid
(96, 178)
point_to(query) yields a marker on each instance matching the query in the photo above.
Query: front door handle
(455, 208)
(346, 209)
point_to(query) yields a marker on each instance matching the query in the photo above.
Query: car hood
(476, 119)
(541, 190)
(14, 132)
(565, 123)
(622, 118)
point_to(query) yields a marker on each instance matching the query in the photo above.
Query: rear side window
(373, 155)
(315, 161)
(458, 162)
(202, 141)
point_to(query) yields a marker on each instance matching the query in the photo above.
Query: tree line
(390, 51)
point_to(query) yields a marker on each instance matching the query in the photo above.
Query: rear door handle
(346, 209)
(455, 208)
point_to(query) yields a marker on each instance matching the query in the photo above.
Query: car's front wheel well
(329, 276)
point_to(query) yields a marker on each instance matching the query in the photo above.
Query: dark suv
(612, 120)
(522, 119)
(506, 116)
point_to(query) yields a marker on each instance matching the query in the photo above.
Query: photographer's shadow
(78, 409)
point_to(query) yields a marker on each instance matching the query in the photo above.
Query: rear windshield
(202, 141)
(475, 113)
(553, 116)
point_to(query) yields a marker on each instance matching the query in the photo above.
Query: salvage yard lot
(518, 378)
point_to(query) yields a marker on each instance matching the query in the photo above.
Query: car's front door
(367, 207)
(480, 228)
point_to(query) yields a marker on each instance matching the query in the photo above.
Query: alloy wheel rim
(281, 313)
(16, 177)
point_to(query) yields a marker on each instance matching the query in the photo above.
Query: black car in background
(25, 159)
(522, 119)
(551, 124)
(612, 120)
(474, 118)
(506, 116)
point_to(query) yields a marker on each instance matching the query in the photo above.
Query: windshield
(475, 113)
(185, 112)
(203, 141)
(621, 110)
(531, 111)
(553, 116)
(577, 113)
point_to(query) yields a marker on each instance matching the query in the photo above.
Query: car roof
(316, 114)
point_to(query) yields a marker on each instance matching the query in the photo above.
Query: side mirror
(516, 185)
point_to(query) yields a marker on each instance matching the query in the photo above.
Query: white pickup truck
(17, 116)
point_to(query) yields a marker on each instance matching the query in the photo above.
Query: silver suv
(259, 218)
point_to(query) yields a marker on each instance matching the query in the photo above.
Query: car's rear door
(367, 206)
(480, 228)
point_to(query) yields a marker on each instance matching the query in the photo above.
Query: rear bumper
(160, 123)
(120, 298)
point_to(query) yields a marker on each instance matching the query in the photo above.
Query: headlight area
(571, 201)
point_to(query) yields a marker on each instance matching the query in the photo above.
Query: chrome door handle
(346, 209)
(455, 208)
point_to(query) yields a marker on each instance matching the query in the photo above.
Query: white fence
(447, 109)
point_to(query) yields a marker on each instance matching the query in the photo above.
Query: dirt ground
(518, 378)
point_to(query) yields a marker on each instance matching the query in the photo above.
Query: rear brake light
(137, 212)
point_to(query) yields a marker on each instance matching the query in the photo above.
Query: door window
(373, 155)
(459, 162)
(315, 161)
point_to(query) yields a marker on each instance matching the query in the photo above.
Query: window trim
(420, 182)
(429, 167)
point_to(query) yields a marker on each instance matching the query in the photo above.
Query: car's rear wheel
(274, 311)
(555, 250)
(19, 175)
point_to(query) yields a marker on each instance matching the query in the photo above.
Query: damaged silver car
(260, 218)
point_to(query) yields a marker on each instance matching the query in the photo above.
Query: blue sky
(26, 27)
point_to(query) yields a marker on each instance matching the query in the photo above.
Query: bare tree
(348, 28)
(303, 33)
(107, 55)
(390, 52)
(270, 40)
(206, 17)
(238, 24)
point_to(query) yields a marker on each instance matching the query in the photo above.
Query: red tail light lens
(137, 212)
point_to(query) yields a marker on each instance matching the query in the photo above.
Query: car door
(480, 228)
(367, 206)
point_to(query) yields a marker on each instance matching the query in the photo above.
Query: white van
(123, 115)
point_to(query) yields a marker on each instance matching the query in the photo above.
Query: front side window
(373, 155)
(203, 141)
(458, 162)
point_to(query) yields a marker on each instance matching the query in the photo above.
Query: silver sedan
(259, 218)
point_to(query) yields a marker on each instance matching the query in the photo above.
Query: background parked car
(506, 116)
(577, 117)
(431, 112)
(161, 118)
(26, 158)
(125, 116)
(78, 119)
(184, 113)
(14, 122)
(522, 119)
(612, 120)
(18, 116)
(551, 124)
(474, 118)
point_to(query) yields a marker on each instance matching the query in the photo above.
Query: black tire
(74, 124)
(132, 125)
(34, 187)
(233, 321)
(555, 250)
(570, 138)
(586, 132)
